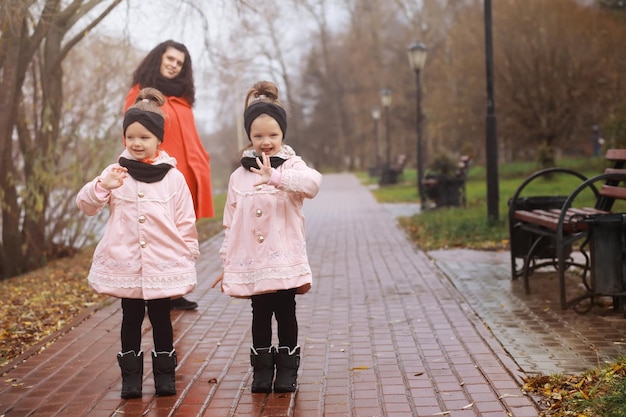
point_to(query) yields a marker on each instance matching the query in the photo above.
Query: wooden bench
(548, 230)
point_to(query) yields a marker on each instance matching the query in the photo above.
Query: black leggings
(282, 304)
(134, 312)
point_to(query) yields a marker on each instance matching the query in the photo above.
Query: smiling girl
(148, 252)
(264, 251)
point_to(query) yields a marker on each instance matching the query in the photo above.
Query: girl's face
(172, 63)
(266, 135)
(140, 142)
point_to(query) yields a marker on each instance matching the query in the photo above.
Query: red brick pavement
(383, 333)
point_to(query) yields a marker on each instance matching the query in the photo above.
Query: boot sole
(131, 395)
(165, 393)
(288, 389)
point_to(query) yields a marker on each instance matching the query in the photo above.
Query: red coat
(181, 140)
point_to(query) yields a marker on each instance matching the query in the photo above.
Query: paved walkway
(383, 333)
(542, 338)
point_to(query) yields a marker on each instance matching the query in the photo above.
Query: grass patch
(598, 393)
(453, 228)
(469, 226)
(208, 228)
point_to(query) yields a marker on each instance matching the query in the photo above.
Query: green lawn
(469, 226)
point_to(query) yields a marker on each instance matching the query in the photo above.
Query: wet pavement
(540, 336)
(532, 328)
(387, 330)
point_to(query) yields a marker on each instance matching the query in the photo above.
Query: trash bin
(449, 192)
(444, 190)
(374, 171)
(389, 176)
(607, 245)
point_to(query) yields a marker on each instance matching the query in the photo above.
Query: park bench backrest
(611, 189)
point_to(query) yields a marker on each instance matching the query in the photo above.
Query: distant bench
(390, 174)
(546, 230)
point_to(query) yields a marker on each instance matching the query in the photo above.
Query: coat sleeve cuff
(275, 178)
(101, 192)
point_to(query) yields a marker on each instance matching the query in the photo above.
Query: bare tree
(90, 135)
(31, 28)
(368, 54)
(555, 75)
(262, 46)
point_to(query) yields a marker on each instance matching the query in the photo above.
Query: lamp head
(376, 112)
(417, 56)
(385, 97)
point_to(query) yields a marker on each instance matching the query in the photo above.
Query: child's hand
(114, 179)
(265, 170)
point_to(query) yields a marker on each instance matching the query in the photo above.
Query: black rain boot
(131, 365)
(287, 363)
(262, 360)
(164, 369)
(183, 304)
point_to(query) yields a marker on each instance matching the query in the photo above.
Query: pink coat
(264, 248)
(150, 242)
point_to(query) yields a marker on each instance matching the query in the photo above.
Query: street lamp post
(376, 117)
(417, 59)
(491, 145)
(385, 97)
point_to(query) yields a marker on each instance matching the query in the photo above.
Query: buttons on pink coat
(140, 194)
(142, 219)
(259, 238)
(143, 243)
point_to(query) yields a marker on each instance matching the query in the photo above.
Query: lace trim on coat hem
(111, 263)
(282, 273)
(169, 282)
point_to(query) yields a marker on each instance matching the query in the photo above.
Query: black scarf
(145, 172)
(170, 87)
(249, 162)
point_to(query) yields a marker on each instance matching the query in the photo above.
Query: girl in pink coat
(149, 248)
(264, 251)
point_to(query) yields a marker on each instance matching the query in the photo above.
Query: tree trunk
(40, 155)
(24, 241)
(9, 86)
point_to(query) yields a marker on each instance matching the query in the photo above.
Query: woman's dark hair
(149, 70)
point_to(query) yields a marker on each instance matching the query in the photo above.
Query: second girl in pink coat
(264, 249)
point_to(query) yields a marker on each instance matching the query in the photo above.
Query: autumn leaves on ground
(38, 304)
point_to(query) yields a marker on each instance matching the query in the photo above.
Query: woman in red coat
(168, 68)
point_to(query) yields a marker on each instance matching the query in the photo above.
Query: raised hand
(114, 178)
(265, 170)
